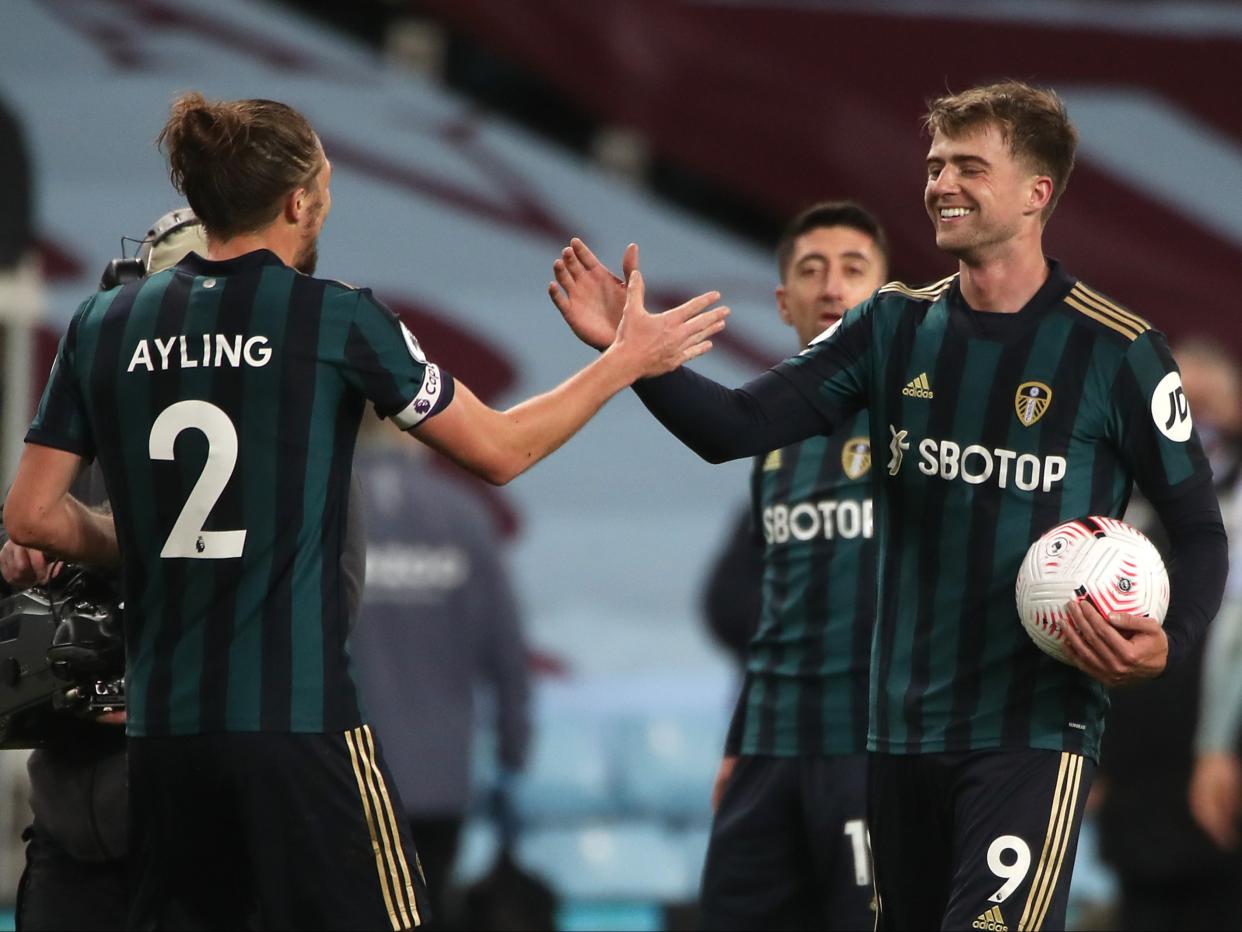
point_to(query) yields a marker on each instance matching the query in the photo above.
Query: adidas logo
(992, 920)
(919, 388)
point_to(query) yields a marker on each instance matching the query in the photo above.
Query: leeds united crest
(856, 457)
(1031, 401)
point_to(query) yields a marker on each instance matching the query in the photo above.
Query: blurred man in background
(1167, 803)
(20, 282)
(440, 621)
(16, 201)
(789, 844)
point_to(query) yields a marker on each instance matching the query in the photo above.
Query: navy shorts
(788, 847)
(976, 840)
(277, 831)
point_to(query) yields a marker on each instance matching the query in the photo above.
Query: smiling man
(1003, 399)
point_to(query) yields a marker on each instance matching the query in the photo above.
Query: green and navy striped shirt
(988, 429)
(222, 400)
(805, 689)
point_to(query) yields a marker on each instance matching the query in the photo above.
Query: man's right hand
(654, 344)
(722, 780)
(22, 567)
(588, 295)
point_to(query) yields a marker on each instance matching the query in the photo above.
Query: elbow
(714, 454)
(497, 477)
(501, 471)
(22, 525)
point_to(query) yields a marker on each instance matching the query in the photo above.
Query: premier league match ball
(1100, 560)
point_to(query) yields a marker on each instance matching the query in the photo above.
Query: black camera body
(128, 269)
(62, 657)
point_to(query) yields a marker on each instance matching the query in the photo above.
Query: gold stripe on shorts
(396, 835)
(1056, 841)
(354, 742)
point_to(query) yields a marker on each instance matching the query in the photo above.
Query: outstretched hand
(658, 343)
(1118, 650)
(588, 295)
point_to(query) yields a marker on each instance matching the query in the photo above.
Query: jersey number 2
(188, 539)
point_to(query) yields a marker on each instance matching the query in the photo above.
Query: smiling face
(979, 196)
(831, 269)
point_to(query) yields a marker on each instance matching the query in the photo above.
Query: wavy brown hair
(236, 160)
(1032, 120)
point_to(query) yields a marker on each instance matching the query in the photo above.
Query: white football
(1096, 559)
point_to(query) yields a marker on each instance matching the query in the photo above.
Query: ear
(781, 307)
(296, 203)
(1040, 194)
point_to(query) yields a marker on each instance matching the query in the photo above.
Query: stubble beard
(308, 259)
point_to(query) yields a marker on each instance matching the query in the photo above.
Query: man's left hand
(1118, 650)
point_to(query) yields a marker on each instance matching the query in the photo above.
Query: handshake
(603, 309)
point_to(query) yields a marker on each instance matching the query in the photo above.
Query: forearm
(499, 445)
(510, 662)
(733, 595)
(722, 424)
(68, 530)
(737, 724)
(528, 432)
(513, 731)
(1200, 563)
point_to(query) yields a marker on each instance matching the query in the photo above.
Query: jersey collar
(990, 325)
(197, 265)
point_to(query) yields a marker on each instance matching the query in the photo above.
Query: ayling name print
(209, 350)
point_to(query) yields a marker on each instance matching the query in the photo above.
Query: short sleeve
(62, 421)
(384, 361)
(1153, 422)
(834, 372)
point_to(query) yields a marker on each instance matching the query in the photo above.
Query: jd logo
(1170, 410)
(1179, 408)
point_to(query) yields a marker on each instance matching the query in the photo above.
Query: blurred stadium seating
(664, 758)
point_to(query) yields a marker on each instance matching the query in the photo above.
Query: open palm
(588, 295)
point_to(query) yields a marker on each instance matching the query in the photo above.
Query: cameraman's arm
(21, 567)
(42, 515)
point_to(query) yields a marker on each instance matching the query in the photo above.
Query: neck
(219, 250)
(1004, 281)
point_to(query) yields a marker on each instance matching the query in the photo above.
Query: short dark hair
(1032, 120)
(236, 160)
(829, 214)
